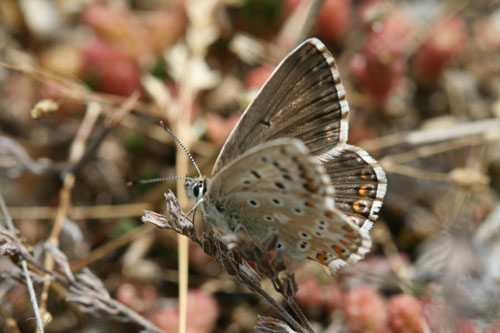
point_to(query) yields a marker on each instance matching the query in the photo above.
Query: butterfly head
(196, 187)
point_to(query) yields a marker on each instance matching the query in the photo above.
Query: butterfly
(286, 167)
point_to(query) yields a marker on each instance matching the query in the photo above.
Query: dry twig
(76, 152)
(10, 248)
(84, 289)
(235, 255)
(311, 19)
(272, 325)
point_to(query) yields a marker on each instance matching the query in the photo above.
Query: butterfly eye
(196, 190)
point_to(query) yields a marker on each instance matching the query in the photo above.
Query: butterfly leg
(241, 228)
(193, 210)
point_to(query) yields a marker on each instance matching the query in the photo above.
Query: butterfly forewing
(302, 99)
(360, 183)
(277, 187)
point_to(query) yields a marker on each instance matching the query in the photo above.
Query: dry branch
(234, 255)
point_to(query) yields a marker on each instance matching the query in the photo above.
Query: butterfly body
(286, 167)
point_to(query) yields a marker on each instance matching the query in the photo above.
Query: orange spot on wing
(320, 257)
(347, 228)
(337, 249)
(356, 207)
(363, 190)
(310, 187)
(329, 214)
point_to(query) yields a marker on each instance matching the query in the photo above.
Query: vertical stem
(184, 133)
(183, 281)
(31, 292)
(76, 152)
(310, 22)
(29, 283)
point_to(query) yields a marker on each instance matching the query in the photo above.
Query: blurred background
(84, 84)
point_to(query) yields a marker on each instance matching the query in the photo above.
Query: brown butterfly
(286, 167)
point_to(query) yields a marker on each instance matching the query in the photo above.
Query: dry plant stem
(384, 142)
(29, 283)
(272, 325)
(78, 156)
(286, 286)
(414, 172)
(110, 247)
(394, 163)
(13, 148)
(186, 101)
(479, 127)
(31, 291)
(110, 123)
(181, 168)
(75, 89)
(128, 105)
(437, 148)
(298, 312)
(183, 248)
(383, 236)
(76, 152)
(310, 22)
(478, 130)
(234, 263)
(84, 290)
(81, 212)
(271, 301)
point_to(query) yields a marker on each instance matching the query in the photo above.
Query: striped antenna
(156, 180)
(182, 146)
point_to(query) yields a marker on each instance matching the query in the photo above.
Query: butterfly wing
(279, 187)
(303, 99)
(360, 183)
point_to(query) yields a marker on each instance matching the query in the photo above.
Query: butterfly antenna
(155, 180)
(182, 146)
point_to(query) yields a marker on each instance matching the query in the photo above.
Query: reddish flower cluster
(257, 77)
(334, 21)
(114, 64)
(446, 39)
(367, 310)
(111, 69)
(310, 295)
(380, 66)
(219, 128)
(202, 315)
(405, 314)
(125, 43)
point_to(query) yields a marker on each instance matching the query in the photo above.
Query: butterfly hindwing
(279, 187)
(360, 183)
(302, 99)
